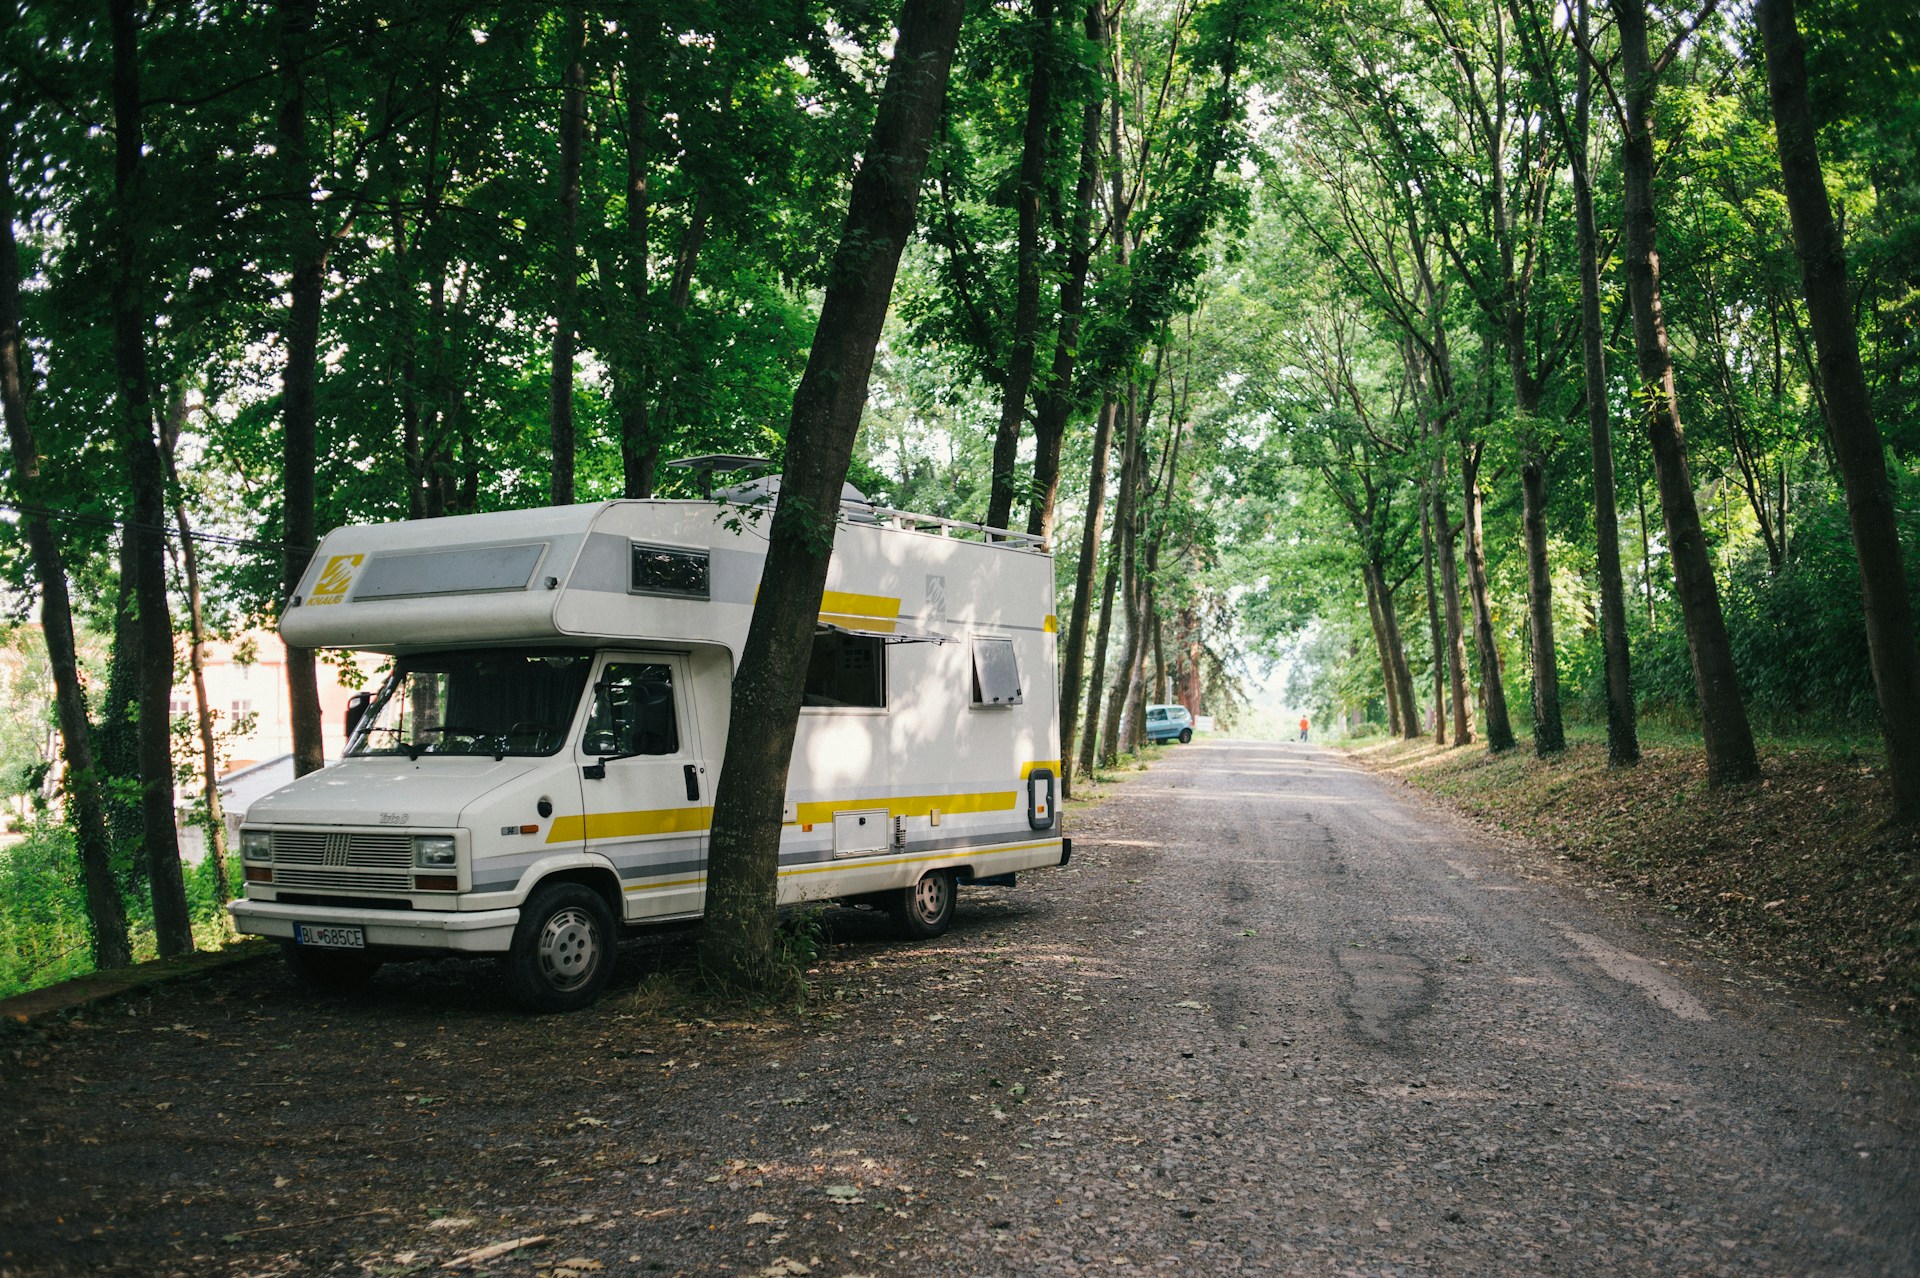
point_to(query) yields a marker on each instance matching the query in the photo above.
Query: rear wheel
(925, 910)
(562, 950)
(1186, 735)
(336, 971)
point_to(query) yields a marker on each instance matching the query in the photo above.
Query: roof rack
(948, 527)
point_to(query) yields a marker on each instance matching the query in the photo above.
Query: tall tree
(1056, 398)
(106, 914)
(566, 270)
(1857, 445)
(1026, 305)
(306, 255)
(1623, 737)
(145, 529)
(1723, 715)
(1073, 675)
(743, 862)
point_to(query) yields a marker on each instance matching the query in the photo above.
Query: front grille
(344, 902)
(343, 880)
(343, 850)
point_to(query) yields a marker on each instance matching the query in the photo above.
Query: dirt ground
(1277, 1016)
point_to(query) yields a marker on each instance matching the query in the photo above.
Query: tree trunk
(1723, 717)
(1549, 736)
(1442, 524)
(1050, 420)
(1623, 732)
(1073, 665)
(736, 949)
(1856, 438)
(106, 912)
(1456, 622)
(1397, 660)
(1097, 669)
(1133, 689)
(1396, 719)
(639, 445)
(566, 267)
(1026, 294)
(1435, 633)
(172, 926)
(1493, 686)
(300, 382)
(197, 654)
(1131, 465)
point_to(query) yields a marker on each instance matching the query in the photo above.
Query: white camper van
(539, 767)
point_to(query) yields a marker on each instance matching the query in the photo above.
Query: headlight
(433, 851)
(256, 845)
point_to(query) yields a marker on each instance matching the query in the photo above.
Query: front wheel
(563, 949)
(925, 910)
(1186, 735)
(335, 971)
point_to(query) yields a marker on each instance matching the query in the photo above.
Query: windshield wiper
(597, 771)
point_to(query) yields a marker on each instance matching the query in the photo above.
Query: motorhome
(538, 768)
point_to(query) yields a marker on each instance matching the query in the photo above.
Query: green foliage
(44, 935)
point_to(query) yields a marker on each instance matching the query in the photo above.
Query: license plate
(329, 937)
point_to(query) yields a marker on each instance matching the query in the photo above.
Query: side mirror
(600, 741)
(357, 710)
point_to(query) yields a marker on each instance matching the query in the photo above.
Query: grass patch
(1802, 869)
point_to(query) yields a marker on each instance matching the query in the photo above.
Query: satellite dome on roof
(762, 492)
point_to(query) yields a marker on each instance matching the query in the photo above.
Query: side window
(668, 570)
(996, 673)
(846, 670)
(633, 711)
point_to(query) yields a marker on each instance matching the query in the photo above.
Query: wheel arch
(599, 879)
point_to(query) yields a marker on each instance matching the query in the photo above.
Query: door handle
(693, 781)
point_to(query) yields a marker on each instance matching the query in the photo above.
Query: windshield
(490, 703)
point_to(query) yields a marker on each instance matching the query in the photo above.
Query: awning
(892, 633)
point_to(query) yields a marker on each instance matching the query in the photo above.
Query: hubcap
(569, 948)
(930, 897)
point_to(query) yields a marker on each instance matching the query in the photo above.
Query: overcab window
(996, 673)
(669, 570)
(847, 670)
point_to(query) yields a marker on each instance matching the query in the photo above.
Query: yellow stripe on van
(626, 825)
(877, 614)
(907, 805)
(945, 854)
(1051, 625)
(1028, 769)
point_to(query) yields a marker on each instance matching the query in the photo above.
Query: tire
(1186, 735)
(334, 971)
(925, 910)
(563, 949)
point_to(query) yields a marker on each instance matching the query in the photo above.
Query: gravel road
(1278, 1016)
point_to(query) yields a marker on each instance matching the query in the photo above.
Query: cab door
(645, 785)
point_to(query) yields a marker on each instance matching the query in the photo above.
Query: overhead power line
(276, 548)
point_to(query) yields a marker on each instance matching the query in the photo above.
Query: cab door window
(634, 711)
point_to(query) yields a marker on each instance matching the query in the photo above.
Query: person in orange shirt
(1303, 727)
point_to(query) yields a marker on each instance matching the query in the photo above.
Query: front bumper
(479, 932)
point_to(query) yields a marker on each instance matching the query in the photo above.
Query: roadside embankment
(1801, 870)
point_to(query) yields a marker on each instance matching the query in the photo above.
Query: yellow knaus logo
(334, 579)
